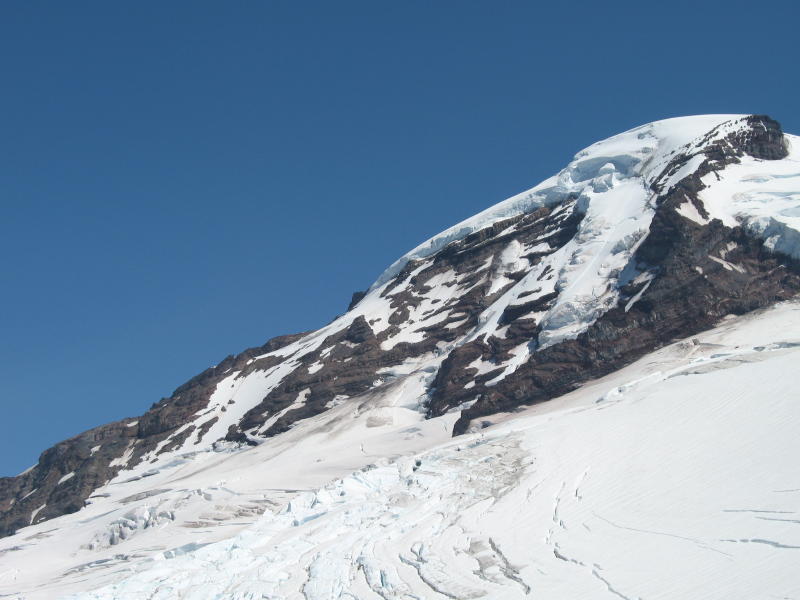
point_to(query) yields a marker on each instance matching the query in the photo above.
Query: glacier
(665, 478)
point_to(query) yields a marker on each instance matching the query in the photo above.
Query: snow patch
(66, 477)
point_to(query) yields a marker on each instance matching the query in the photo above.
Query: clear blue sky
(182, 180)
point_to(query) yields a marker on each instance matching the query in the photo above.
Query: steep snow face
(610, 181)
(677, 460)
(640, 152)
(761, 195)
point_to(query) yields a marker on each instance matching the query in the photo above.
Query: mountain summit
(641, 242)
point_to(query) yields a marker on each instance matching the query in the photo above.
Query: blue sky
(182, 180)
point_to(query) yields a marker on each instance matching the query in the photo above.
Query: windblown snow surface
(674, 477)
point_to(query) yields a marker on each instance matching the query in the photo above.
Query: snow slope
(668, 479)
(665, 479)
(764, 196)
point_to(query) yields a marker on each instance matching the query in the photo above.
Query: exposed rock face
(491, 315)
(67, 474)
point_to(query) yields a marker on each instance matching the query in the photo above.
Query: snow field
(664, 480)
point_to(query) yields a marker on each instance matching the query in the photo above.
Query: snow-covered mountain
(647, 291)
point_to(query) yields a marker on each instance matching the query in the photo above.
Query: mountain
(647, 291)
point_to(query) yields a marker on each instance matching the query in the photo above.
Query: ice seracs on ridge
(657, 140)
(610, 180)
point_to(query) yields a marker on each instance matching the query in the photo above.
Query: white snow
(482, 366)
(611, 181)
(668, 478)
(66, 477)
(653, 143)
(519, 355)
(762, 195)
(646, 279)
(314, 367)
(444, 287)
(727, 265)
(36, 512)
(122, 461)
